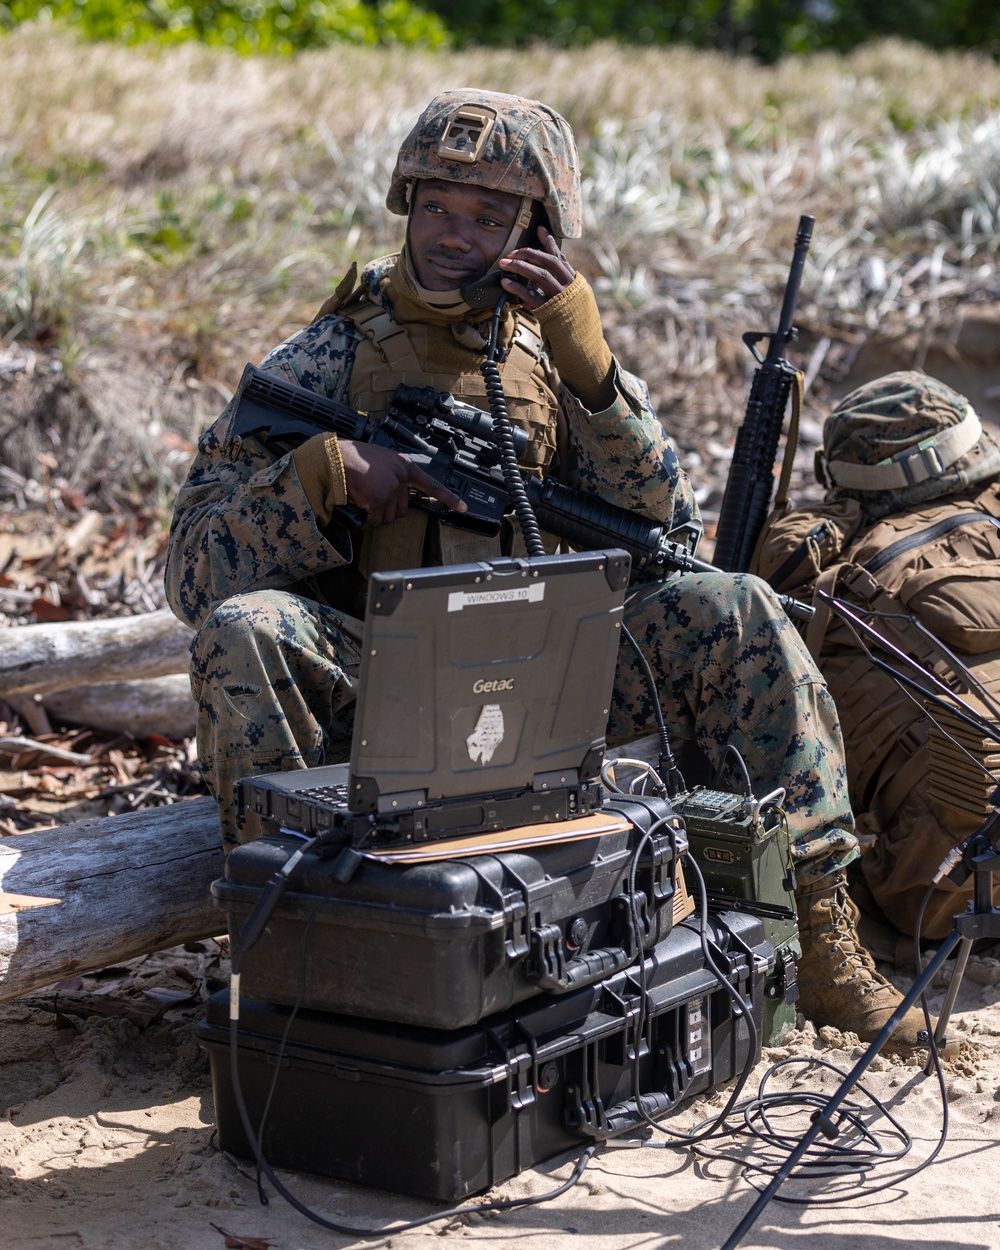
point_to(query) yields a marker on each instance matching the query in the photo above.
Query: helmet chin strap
(453, 300)
(445, 301)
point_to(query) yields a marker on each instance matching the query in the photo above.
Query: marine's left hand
(534, 274)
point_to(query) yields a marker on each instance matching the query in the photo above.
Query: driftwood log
(122, 674)
(41, 659)
(162, 705)
(126, 886)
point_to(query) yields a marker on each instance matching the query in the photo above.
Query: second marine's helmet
(902, 439)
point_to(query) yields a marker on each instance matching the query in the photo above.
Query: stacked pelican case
(436, 1028)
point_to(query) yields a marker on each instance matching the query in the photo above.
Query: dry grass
(172, 213)
(195, 106)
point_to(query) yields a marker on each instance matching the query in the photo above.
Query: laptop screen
(488, 677)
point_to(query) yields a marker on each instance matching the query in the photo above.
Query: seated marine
(261, 563)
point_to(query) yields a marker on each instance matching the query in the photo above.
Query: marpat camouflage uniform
(275, 663)
(276, 597)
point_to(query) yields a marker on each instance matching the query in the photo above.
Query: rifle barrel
(784, 335)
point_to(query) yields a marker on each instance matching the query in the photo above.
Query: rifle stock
(750, 483)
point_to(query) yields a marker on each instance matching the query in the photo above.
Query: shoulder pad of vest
(347, 290)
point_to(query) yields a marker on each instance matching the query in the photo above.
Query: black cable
(830, 1158)
(935, 1057)
(740, 1007)
(286, 1032)
(823, 1160)
(667, 768)
(642, 1014)
(740, 1004)
(516, 489)
(827, 1155)
(731, 750)
(643, 1007)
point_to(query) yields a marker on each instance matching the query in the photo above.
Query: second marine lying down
(489, 183)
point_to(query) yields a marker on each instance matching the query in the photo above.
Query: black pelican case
(444, 943)
(444, 1114)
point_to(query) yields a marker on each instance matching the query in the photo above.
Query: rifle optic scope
(426, 401)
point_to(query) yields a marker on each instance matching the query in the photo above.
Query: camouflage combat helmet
(503, 142)
(900, 440)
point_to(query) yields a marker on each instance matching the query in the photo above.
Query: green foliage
(766, 29)
(165, 233)
(245, 26)
(48, 248)
(571, 22)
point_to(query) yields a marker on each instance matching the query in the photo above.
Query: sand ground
(107, 1142)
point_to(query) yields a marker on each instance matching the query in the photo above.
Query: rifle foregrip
(589, 523)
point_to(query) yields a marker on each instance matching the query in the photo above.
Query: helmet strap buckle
(920, 462)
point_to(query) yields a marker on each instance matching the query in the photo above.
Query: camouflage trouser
(731, 669)
(275, 676)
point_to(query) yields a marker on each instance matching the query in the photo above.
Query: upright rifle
(747, 497)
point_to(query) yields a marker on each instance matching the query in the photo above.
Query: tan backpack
(916, 789)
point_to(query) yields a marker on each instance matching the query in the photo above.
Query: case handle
(552, 972)
(632, 1113)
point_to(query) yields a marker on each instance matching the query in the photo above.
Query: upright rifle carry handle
(785, 332)
(750, 483)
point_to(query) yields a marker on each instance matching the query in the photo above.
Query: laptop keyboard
(336, 796)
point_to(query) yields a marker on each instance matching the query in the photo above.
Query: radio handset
(485, 291)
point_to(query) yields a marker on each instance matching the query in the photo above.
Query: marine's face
(456, 231)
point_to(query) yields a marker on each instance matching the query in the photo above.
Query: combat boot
(838, 982)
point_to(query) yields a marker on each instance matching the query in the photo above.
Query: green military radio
(741, 846)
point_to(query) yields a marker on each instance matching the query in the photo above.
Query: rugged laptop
(483, 704)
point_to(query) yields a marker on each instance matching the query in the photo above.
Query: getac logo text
(492, 687)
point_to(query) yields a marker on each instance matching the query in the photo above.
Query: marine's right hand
(380, 480)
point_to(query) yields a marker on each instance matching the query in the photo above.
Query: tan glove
(572, 325)
(321, 471)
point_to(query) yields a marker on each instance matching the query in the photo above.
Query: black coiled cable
(504, 433)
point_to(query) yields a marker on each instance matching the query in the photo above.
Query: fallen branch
(127, 885)
(140, 1011)
(14, 746)
(30, 710)
(42, 659)
(162, 705)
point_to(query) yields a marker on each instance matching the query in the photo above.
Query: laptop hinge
(559, 780)
(403, 801)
